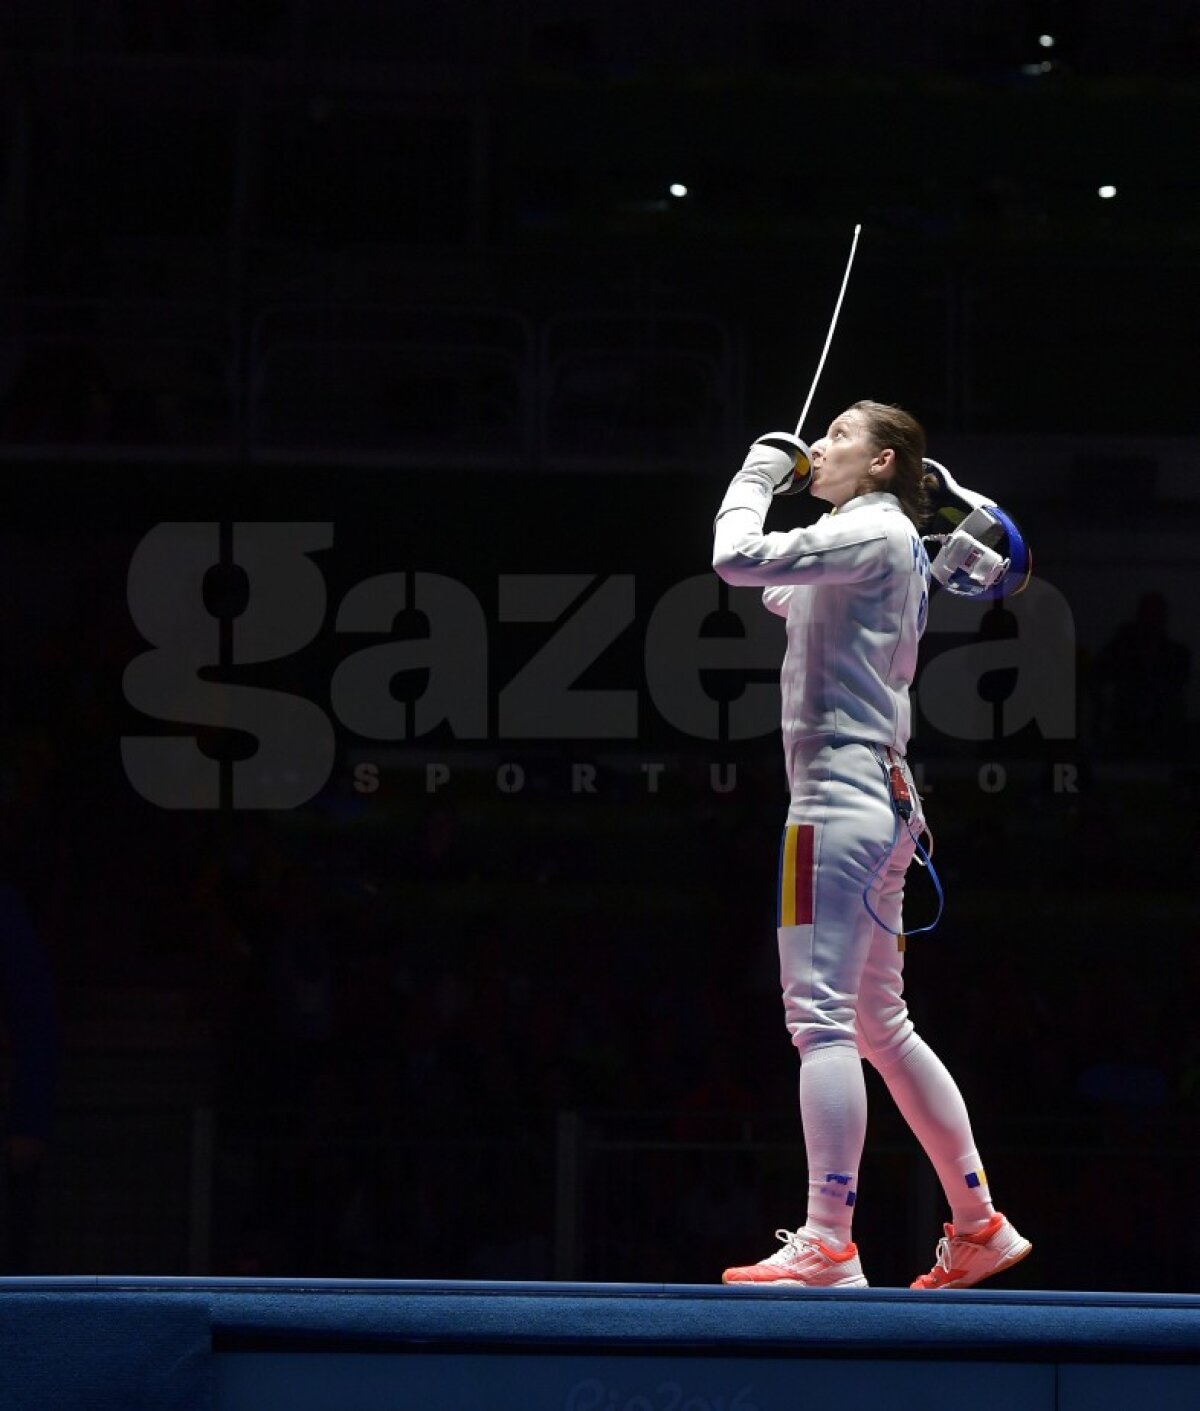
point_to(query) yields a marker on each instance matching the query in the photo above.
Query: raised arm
(831, 551)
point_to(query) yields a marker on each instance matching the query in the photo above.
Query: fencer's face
(845, 460)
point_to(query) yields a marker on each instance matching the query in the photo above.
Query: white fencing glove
(781, 460)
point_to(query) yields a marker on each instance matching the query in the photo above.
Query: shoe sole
(1006, 1263)
(791, 1284)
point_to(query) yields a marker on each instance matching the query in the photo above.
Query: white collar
(884, 499)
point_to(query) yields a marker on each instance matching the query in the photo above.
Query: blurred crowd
(404, 992)
(476, 1034)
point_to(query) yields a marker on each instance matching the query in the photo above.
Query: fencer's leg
(820, 959)
(833, 1111)
(839, 827)
(931, 1103)
(920, 1084)
(833, 1093)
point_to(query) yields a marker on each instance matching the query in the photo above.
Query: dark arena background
(391, 793)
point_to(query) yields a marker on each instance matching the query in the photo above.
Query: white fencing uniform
(854, 590)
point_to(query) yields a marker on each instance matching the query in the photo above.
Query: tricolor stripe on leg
(796, 875)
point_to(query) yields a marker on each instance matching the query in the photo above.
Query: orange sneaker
(804, 1261)
(963, 1260)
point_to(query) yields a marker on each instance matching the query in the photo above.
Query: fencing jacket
(854, 588)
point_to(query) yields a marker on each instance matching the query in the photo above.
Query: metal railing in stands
(335, 1190)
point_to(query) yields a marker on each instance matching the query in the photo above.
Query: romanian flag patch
(796, 875)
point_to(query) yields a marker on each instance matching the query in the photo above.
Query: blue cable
(926, 862)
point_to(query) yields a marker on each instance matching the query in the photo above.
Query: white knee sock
(931, 1104)
(833, 1109)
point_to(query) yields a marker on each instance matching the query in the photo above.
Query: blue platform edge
(378, 1313)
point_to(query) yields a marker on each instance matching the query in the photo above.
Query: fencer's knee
(885, 1044)
(810, 1038)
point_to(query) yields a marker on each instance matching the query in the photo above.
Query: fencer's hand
(780, 459)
